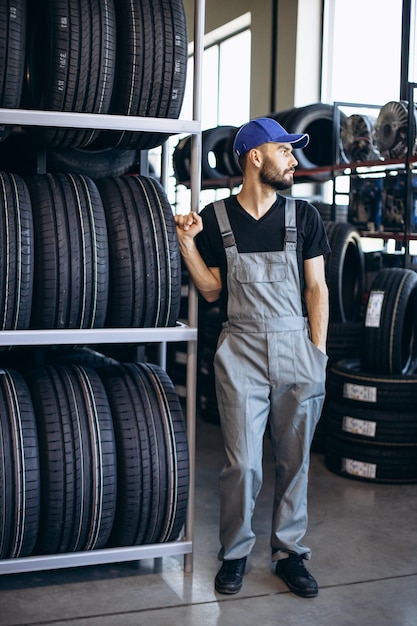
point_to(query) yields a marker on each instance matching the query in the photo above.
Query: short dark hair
(242, 159)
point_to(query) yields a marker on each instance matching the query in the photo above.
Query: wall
(289, 79)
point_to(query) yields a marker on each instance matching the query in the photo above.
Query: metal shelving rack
(405, 164)
(182, 332)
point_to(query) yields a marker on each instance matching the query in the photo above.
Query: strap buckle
(290, 234)
(228, 239)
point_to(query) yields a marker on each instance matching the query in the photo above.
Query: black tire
(76, 355)
(326, 212)
(12, 55)
(71, 250)
(151, 68)
(168, 407)
(316, 120)
(153, 472)
(372, 426)
(20, 482)
(389, 343)
(16, 253)
(283, 117)
(88, 162)
(345, 267)
(167, 249)
(344, 340)
(230, 157)
(131, 264)
(217, 163)
(145, 264)
(346, 379)
(370, 462)
(214, 141)
(181, 160)
(77, 458)
(71, 68)
(135, 445)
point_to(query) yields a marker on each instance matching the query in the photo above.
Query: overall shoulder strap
(224, 223)
(290, 225)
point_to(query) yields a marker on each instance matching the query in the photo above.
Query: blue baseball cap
(265, 130)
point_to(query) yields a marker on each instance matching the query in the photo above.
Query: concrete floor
(364, 542)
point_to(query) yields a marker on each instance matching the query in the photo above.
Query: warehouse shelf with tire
(96, 449)
(367, 156)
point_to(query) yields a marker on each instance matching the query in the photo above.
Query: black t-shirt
(264, 235)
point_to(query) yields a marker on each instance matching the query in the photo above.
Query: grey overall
(266, 367)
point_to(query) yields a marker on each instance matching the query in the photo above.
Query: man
(262, 255)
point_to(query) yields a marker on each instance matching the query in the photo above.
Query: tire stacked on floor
(344, 269)
(345, 272)
(90, 458)
(371, 413)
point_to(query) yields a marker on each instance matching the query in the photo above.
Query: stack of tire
(79, 254)
(90, 56)
(219, 162)
(90, 458)
(363, 137)
(371, 412)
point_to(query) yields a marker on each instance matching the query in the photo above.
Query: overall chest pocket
(260, 272)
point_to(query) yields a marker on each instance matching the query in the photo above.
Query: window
(362, 51)
(226, 76)
(225, 93)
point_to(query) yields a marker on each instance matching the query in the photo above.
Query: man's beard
(269, 175)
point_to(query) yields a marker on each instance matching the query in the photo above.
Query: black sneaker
(296, 576)
(229, 578)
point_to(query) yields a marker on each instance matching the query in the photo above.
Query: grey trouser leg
(244, 410)
(291, 441)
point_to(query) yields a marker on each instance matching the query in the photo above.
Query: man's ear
(255, 157)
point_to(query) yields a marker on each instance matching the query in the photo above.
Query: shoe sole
(296, 590)
(227, 591)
